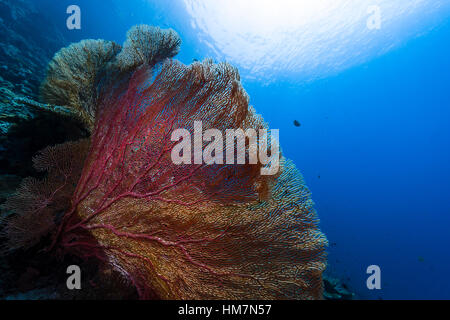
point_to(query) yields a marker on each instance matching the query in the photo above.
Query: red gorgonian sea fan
(187, 231)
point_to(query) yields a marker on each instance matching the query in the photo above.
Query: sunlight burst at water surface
(312, 38)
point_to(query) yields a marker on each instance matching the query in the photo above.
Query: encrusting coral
(189, 231)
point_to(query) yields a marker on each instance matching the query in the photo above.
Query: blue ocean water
(373, 144)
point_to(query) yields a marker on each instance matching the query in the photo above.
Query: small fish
(421, 259)
(194, 60)
(318, 177)
(296, 123)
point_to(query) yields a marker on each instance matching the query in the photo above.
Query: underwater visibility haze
(358, 90)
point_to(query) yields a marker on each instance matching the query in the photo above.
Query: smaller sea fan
(36, 203)
(147, 45)
(32, 218)
(73, 75)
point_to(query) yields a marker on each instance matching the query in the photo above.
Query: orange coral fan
(73, 73)
(191, 231)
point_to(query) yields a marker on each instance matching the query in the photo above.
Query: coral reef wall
(28, 42)
(25, 49)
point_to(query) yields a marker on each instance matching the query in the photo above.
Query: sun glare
(307, 39)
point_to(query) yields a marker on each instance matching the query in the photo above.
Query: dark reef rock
(44, 278)
(335, 289)
(8, 183)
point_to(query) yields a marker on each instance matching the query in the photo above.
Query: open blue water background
(373, 145)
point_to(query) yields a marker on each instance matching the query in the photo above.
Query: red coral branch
(164, 225)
